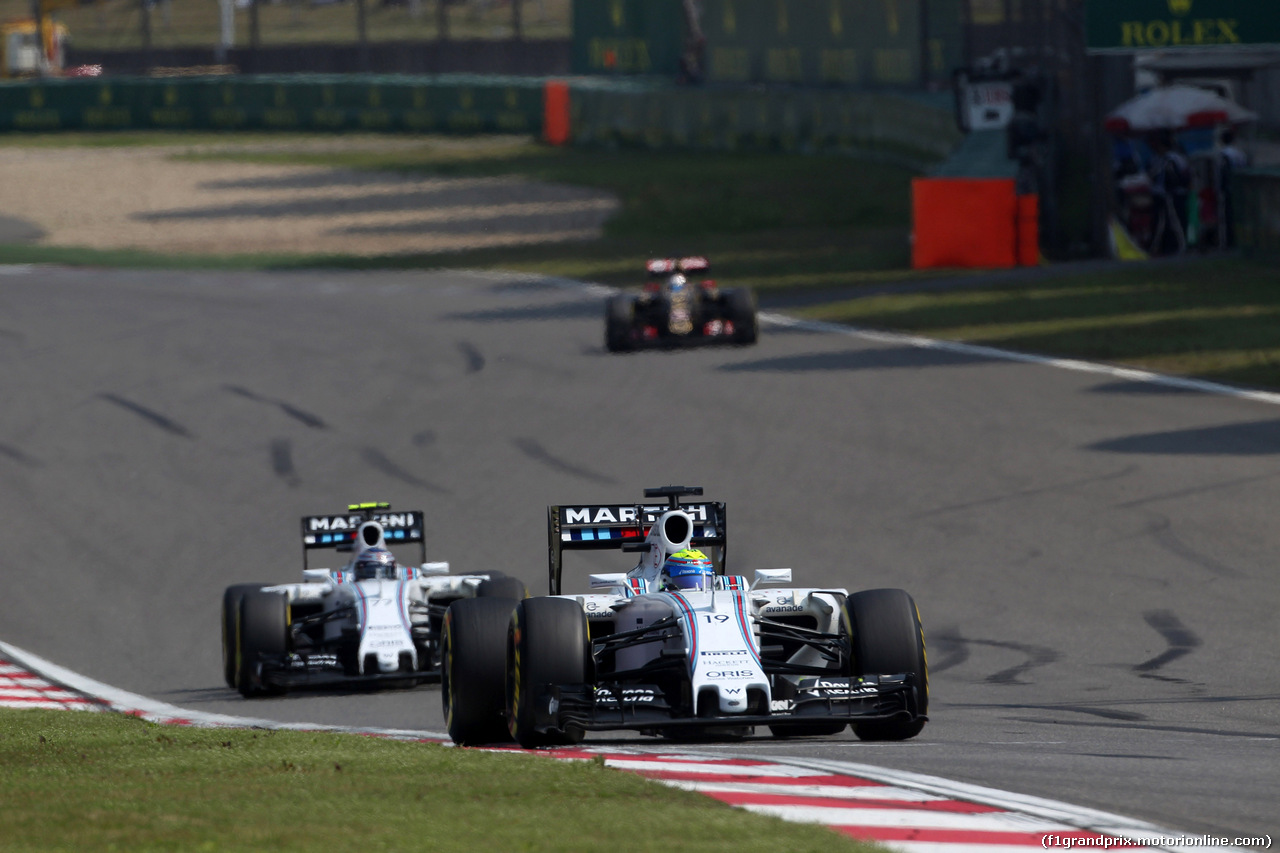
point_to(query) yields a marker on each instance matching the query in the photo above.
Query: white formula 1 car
(373, 620)
(713, 659)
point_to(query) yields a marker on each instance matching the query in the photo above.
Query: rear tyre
(263, 631)
(230, 612)
(740, 306)
(502, 587)
(473, 670)
(886, 638)
(547, 643)
(619, 319)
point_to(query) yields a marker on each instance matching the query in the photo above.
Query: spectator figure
(1231, 158)
(1170, 188)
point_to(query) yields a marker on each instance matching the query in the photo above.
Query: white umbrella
(1175, 108)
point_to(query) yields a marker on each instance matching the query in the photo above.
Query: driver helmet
(375, 564)
(688, 570)
(677, 282)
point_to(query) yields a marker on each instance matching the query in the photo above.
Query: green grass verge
(1213, 319)
(83, 781)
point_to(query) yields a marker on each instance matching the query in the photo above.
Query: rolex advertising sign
(1127, 26)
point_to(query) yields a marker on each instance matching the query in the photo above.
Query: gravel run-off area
(152, 199)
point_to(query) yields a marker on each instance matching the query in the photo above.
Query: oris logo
(730, 673)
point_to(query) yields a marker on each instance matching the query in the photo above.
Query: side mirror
(771, 576)
(434, 568)
(316, 575)
(610, 579)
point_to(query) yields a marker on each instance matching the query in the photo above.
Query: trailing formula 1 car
(679, 647)
(372, 621)
(674, 311)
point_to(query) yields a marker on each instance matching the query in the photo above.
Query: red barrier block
(964, 222)
(555, 113)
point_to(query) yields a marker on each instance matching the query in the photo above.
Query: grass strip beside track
(1214, 319)
(86, 781)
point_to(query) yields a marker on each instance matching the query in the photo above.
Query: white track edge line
(156, 711)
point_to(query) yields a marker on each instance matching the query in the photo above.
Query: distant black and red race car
(673, 310)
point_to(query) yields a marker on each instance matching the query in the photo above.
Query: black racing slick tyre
(547, 643)
(886, 638)
(230, 612)
(502, 587)
(473, 669)
(619, 320)
(262, 632)
(740, 306)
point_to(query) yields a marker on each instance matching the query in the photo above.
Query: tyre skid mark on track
(907, 812)
(1181, 639)
(300, 415)
(152, 417)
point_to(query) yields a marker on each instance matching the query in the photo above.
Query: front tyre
(886, 638)
(740, 307)
(230, 613)
(547, 643)
(262, 632)
(473, 669)
(619, 321)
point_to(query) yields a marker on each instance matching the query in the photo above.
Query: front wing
(826, 699)
(293, 671)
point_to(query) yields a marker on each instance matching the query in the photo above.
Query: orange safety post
(555, 112)
(1028, 230)
(963, 222)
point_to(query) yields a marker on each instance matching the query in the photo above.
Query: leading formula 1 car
(673, 310)
(373, 621)
(717, 659)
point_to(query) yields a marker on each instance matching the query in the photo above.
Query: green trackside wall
(914, 130)
(459, 104)
(1257, 211)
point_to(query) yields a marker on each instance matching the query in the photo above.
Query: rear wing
(339, 532)
(667, 266)
(615, 526)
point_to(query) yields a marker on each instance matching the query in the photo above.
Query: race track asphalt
(1094, 558)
